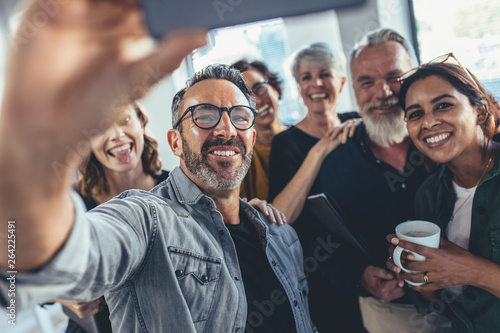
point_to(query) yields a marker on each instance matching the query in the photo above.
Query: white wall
(395, 14)
(6, 7)
(357, 21)
(157, 105)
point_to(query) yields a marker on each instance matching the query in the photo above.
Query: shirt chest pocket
(197, 276)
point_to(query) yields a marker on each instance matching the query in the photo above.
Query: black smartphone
(163, 16)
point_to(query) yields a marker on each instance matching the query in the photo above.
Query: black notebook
(327, 212)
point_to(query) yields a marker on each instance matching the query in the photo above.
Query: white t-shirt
(458, 230)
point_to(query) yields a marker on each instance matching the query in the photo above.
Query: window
(264, 41)
(471, 30)
(3, 52)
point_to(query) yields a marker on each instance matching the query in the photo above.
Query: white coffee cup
(419, 232)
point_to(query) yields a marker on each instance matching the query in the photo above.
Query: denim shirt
(435, 201)
(165, 262)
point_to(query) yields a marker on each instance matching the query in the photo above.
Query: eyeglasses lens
(260, 89)
(242, 117)
(207, 116)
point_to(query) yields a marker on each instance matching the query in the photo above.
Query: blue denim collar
(189, 193)
(186, 191)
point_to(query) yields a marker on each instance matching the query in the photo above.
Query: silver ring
(426, 278)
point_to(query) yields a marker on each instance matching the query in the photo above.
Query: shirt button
(236, 278)
(378, 161)
(204, 278)
(273, 263)
(295, 303)
(237, 329)
(403, 185)
(179, 272)
(221, 232)
(304, 293)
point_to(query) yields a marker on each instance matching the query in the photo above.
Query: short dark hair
(244, 65)
(460, 80)
(217, 71)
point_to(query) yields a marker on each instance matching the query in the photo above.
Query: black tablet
(327, 212)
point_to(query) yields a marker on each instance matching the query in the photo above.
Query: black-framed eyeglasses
(260, 88)
(438, 60)
(207, 116)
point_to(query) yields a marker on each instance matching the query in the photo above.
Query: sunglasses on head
(438, 60)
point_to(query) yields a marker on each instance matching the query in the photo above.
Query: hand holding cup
(418, 232)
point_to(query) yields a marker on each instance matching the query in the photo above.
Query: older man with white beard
(374, 177)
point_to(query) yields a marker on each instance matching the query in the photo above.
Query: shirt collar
(189, 193)
(446, 176)
(186, 191)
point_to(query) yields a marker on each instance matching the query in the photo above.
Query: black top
(288, 150)
(373, 195)
(329, 305)
(90, 203)
(269, 309)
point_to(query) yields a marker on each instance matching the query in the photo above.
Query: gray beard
(384, 130)
(230, 178)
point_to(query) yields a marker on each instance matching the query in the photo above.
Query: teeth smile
(317, 96)
(264, 109)
(224, 153)
(438, 138)
(118, 149)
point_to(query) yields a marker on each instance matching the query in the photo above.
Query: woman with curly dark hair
(122, 158)
(125, 157)
(267, 91)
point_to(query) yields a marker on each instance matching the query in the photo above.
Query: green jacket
(435, 201)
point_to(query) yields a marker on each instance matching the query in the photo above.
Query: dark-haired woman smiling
(266, 87)
(124, 157)
(452, 120)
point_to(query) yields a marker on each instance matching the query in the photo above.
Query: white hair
(318, 54)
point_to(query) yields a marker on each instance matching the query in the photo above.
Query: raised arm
(63, 82)
(292, 198)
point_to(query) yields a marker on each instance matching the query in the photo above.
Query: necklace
(470, 194)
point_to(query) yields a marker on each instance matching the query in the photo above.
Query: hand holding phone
(163, 16)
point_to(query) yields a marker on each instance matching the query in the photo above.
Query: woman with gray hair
(297, 153)
(296, 157)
